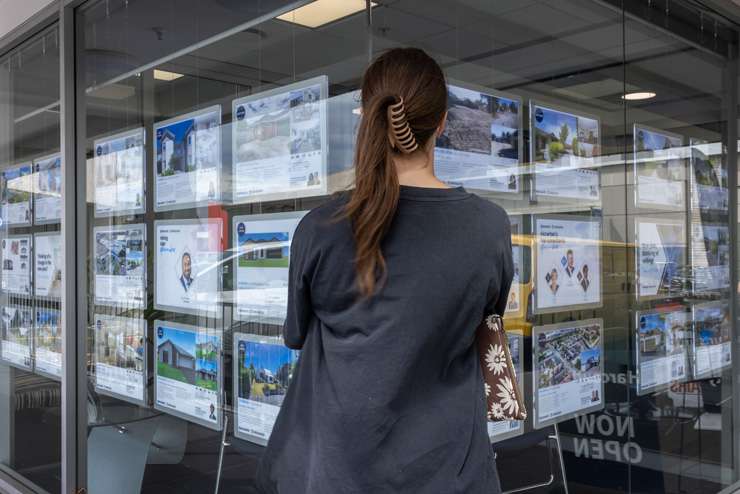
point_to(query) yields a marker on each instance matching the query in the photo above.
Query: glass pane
(678, 221)
(199, 169)
(30, 249)
(602, 132)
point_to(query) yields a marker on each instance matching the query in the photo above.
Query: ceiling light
(639, 95)
(320, 12)
(163, 75)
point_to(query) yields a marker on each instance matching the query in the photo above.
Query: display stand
(224, 444)
(554, 437)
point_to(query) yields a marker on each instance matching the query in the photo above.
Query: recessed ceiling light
(163, 75)
(638, 95)
(320, 12)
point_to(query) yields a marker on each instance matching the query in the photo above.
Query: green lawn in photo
(206, 384)
(264, 263)
(166, 370)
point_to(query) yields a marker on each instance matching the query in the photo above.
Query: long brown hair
(404, 99)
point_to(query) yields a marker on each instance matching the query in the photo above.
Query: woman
(387, 286)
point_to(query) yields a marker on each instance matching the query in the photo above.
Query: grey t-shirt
(388, 394)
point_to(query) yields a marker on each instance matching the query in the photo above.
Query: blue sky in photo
(706, 335)
(651, 322)
(281, 236)
(465, 93)
(506, 101)
(47, 317)
(207, 365)
(177, 129)
(499, 130)
(655, 141)
(266, 355)
(16, 172)
(183, 339)
(552, 121)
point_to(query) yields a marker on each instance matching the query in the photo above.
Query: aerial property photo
(568, 354)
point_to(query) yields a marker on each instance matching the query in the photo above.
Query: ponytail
(375, 199)
(389, 125)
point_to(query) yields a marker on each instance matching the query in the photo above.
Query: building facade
(156, 157)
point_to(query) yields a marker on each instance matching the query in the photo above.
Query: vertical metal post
(560, 458)
(7, 373)
(730, 389)
(74, 372)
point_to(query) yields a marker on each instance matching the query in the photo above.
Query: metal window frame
(74, 230)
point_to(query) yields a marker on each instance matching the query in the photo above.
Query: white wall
(14, 12)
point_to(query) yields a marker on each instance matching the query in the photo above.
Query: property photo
(712, 324)
(119, 253)
(263, 128)
(665, 165)
(176, 354)
(469, 121)
(555, 136)
(568, 354)
(264, 371)
(207, 358)
(15, 185)
(48, 335)
(17, 325)
(189, 144)
(264, 250)
(49, 176)
(118, 343)
(661, 334)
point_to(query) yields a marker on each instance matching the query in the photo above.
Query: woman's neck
(417, 170)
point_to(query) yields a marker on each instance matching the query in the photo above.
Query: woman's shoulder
(491, 213)
(325, 218)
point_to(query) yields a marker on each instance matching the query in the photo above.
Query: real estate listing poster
(661, 351)
(17, 336)
(710, 257)
(659, 169)
(120, 266)
(709, 191)
(514, 307)
(481, 145)
(499, 431)
(16, 187)
(279, 142)
(187, 274)
(47, 189)
(712, 350)
(564, 148)
(187, 150)
(16, 276)
(263, 367)
(119, 174)
(188, 375)
(568, 265)
(660, 256)
(48, 265)
(48, 343)
(120, 357)
(568, 373)
(262, 245)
